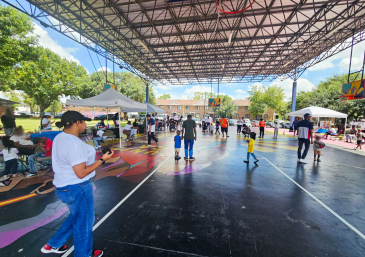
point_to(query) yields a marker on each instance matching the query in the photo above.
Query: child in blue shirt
(177, 140)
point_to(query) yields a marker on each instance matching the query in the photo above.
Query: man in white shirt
(129, 131)
(46, 123)
(353, 123)
(151, 130)
(239, 126)
(277, 126)
(362, 126)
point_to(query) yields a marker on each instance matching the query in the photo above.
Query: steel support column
(293, 100)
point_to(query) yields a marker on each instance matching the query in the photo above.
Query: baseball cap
(70, 117)
(307, 115)
(47, 114)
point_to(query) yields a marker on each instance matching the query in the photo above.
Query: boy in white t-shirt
(277, 126)
(10, 154)
(98, 138)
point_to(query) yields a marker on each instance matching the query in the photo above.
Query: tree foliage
(327, 95)
(47, 78)
(228, 107)
(16, 44)
(262, 98)
(164, 96)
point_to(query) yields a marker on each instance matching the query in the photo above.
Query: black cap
(70, 117)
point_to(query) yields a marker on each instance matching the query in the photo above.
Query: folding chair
(108, 134)
(337, 137)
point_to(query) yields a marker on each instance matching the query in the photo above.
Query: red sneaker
(47, 249)
(97, 253)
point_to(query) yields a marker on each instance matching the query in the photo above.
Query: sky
(71, 50)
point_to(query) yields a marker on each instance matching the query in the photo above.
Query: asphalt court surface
(213, 206)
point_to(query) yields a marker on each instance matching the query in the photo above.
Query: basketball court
(148, 204)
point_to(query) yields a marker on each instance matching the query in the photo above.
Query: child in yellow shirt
(251, 148)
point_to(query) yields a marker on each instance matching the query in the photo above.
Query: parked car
(255, 123)
(58, 116)
(248, 123)
(232, 122)
(287, 125)
(270, 124)
(104, 117)
(197, 121)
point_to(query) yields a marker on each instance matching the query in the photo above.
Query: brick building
(198, 108)
(4, 104)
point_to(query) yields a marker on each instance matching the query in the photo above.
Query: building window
(196, 107)
(179, 107)
(187, 107)
(169, 107)
(247, 116)
(266, 116)
(161, 106)
(247, 108)
(206, 107)
(259, 116)
(236, 115)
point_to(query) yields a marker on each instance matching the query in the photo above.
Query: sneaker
(318, 160)
(185, 158)
(256, 161)
(303, 161)
(48, 249)
(157, 143)
(246, 161)
(355, 148)
(192, 158)
(31, 174)
(148, 145)
(298, 160)
(97, 253)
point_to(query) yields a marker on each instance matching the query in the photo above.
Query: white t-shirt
(44, 122)
(239, 122)
(127, 127)
(353, 123)
(21, 140)
(211, 127)
(332, 130)
(100, 133)
(152, 124)
(9, 155)
(277, 124)
(362, 125)
(68, 151)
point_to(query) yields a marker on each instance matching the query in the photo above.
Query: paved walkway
(153, 205)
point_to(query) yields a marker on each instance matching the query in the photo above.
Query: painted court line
(317, 200)
(119, 204)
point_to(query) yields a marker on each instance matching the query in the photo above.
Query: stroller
(173, 125)
(246, 131)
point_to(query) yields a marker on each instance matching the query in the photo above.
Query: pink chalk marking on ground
(189, 169)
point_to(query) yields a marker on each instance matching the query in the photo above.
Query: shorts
(224, 129)
(359, 142)
(319, 151)
(177, 150)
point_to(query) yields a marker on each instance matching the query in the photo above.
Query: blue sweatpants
(189, 143)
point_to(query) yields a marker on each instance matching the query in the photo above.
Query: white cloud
(47, 42)
(287, 85)
(241, 94)
(104, 68)
(240, 91)
(190, 91)
(344, 56)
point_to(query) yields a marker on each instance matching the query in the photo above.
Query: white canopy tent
(110, 98)
(150, 108)
(319, 112)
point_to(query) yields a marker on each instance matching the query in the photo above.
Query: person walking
(277, 126)
(262, 128)
(251, 148)
(305, 136)
(73, 162)
(217, 127)
(8, 121)
(151, 130)
(224, 126)
(239, 126)
(189, 136)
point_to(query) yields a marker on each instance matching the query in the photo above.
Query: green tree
(16, 44)
(47, 78)
(55, 107)
(165, 96)
(274, 97)
(257, 97)
(228, 107)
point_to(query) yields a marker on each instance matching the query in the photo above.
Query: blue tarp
(51, 135)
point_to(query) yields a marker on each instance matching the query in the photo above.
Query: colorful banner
(353, 90)
(214, 102)
(107, 86)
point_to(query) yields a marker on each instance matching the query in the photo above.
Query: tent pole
(293, 101)
(120, 126)
(344, 129)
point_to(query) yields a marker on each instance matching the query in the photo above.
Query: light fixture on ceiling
(230, 37)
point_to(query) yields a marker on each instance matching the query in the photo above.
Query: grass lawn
(31, 124)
